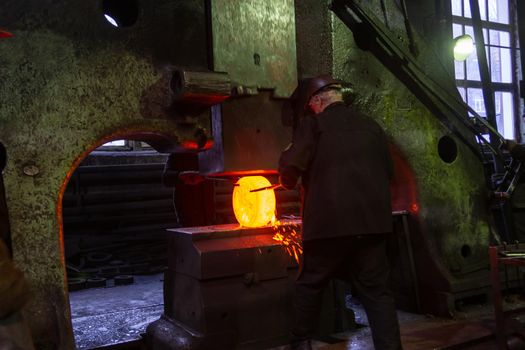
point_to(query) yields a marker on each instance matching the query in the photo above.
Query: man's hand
(287, 182)
(288, 177)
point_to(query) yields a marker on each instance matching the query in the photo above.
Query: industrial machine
(216, 79)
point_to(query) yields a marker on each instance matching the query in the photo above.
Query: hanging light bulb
(463, 47)
(111, 20)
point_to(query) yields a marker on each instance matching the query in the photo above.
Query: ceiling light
(463, 47)
(111, 20)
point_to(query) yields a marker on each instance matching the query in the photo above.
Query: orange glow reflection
(253, 209)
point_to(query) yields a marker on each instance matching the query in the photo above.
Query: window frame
(510, 87)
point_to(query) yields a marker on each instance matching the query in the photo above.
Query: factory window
(125, 145)
(500, 45)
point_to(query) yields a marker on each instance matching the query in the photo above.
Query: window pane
(457, 30)
(506, 66)
(473, 68)
(456, 7)
(504, 114)
(475, 100)
(466, 8)
(459, 69)
(495, 66)
(482, 9)
(500, 67)
(499, 38)
(115, 143)
(470, 31)
(499, 11)
(504, 38)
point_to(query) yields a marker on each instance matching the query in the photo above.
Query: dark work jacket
(345, 165)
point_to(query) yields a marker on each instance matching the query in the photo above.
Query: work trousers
(362, 260)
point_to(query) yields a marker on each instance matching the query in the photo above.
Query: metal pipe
(272, 187)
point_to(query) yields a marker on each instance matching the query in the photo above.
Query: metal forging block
(228, 284)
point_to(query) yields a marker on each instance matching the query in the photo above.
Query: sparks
(290, 237)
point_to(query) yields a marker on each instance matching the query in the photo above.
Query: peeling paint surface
(255, 42)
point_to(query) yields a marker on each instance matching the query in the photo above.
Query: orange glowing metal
(253, 209)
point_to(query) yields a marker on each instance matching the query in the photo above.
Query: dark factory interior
(150, 198)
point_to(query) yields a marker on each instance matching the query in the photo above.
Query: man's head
(322, 91)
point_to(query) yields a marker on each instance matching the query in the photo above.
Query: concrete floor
(112, 315)
(120, 314)
(422, 332)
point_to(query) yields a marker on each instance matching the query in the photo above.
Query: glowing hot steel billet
(253, 209)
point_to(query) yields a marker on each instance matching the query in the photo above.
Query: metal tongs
(272, 187)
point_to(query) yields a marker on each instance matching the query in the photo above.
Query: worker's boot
(305, 344)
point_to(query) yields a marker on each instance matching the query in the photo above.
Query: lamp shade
(463, 47)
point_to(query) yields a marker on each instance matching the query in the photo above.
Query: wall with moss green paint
(69, 82)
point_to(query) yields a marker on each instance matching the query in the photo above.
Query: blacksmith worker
(343, 159)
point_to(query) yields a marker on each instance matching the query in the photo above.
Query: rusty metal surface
(314, 39)
(254, 41)
(253, 133)
(167, 334)
(225, 304)
(226, 279)
(207, 88)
